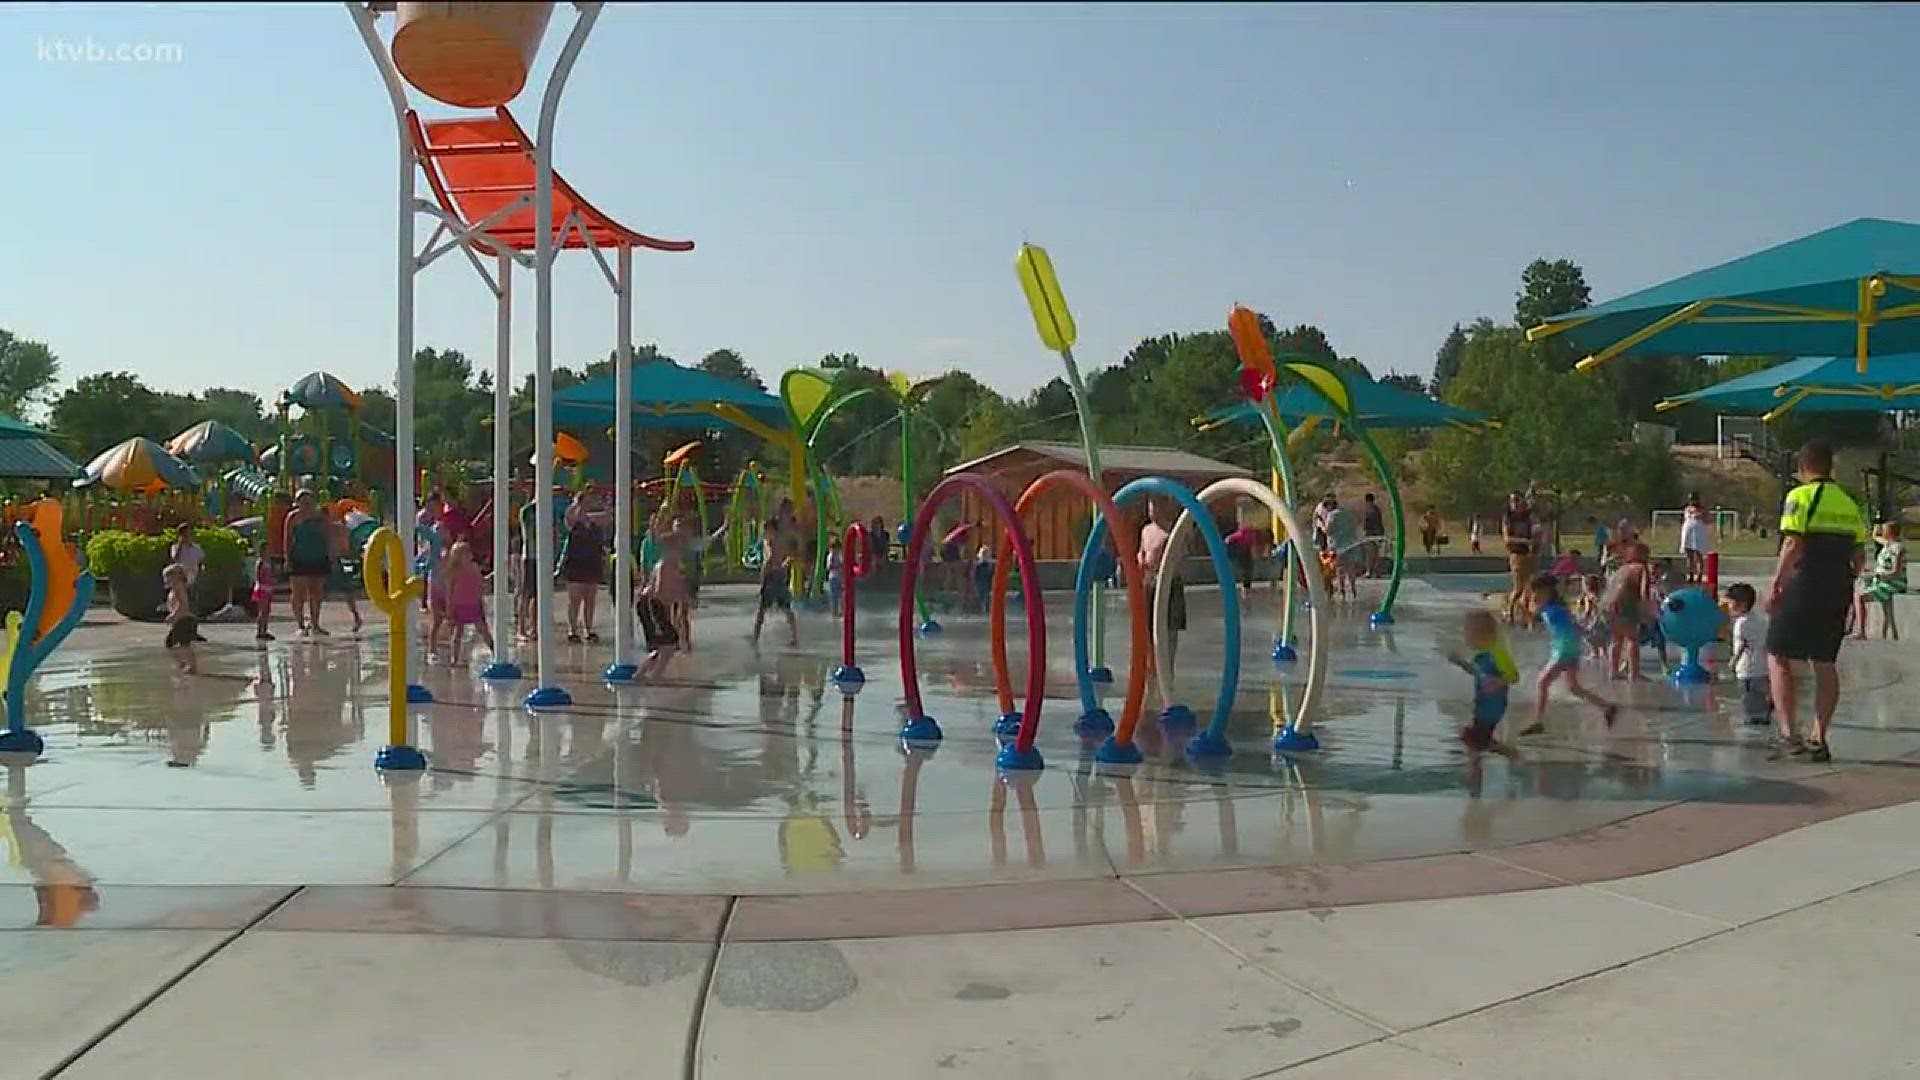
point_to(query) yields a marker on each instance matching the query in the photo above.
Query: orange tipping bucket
(474, 55)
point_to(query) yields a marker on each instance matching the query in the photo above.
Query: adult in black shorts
(1823, 544)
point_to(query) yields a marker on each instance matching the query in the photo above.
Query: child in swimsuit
(465, 591)
(1563, 657)
(1493, 674)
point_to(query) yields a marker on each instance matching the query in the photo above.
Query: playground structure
(495, 192)
(1151, 636)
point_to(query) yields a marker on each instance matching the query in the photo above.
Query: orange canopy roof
(477, 165)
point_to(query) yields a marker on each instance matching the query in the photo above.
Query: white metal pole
(403, 494)
(501, 667)
(548, 694)
(623, 667)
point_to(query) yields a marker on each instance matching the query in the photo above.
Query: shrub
(116, 551)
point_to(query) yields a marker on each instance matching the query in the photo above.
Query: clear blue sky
(859, 178)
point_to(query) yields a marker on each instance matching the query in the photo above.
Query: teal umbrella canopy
(210, 442)
(138, 465)
(319, 390)
(1375, 406)
(1852, 290)
(666, 395)
(1815, 385)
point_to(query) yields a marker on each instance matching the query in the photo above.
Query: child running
(1563, 657)
(182, 628)
(1493, 674)
(1750, 654)
(465, 598)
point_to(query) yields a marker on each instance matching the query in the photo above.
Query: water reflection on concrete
(746, 771)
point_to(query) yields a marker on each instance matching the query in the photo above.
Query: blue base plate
(1112, 753)
(920, 729)
(1097, 722)
(1101, 674)
(1691, 673)
(501, 671)
(1290, 741)
(418, 695)
(1177, 716)
(1284, 653)
(399, 758)
(620, 673)
(549, 697)
(1209, 745)
(1012, 758)
(1380, 618)
(849, 675)
(929, 628)
(1008, 724)
(24, 742)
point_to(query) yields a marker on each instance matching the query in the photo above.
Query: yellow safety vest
(1823, 507)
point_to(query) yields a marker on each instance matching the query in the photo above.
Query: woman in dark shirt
(583, 563)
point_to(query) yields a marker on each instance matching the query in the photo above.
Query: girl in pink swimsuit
(670, 585)
(465, 597)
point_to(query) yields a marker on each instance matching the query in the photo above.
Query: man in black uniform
(1823, 546)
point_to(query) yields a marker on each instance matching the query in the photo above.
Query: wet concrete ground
(737, 872)
(745, 772)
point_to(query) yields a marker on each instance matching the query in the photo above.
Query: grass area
(1666, 542)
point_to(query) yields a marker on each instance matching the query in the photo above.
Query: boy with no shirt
(775, 569)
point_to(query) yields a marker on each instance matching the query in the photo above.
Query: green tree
(1412, 384)
(730, 365)
(990, 424)
(101, 410)
(27, 373)
(241, 410)
(1446, 361)
(1311, 342)
(1559, 429)
(1550, 287)
(450, 409)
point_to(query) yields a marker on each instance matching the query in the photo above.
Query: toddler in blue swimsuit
(1493, 674)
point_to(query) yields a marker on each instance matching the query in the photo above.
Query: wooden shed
(1059, 521)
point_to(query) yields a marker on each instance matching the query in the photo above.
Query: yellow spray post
(1057, 332)
(395, 592)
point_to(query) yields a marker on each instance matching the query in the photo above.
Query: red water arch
(920, 726)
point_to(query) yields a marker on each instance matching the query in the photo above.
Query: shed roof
(1143, 460)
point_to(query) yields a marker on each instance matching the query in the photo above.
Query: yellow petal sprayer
(395, 592)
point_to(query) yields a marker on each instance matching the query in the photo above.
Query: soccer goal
(1667, 522)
